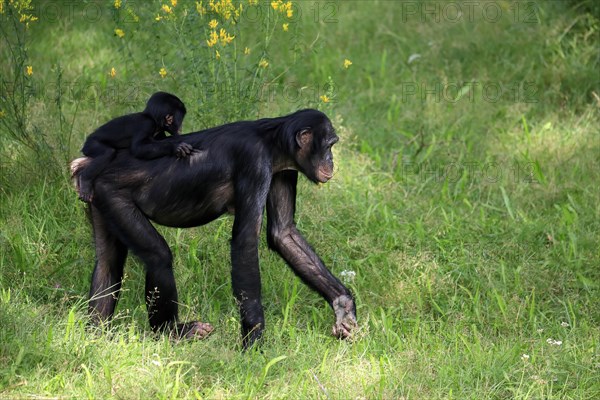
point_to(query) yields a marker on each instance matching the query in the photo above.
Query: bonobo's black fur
(138, 133)
(241, 168)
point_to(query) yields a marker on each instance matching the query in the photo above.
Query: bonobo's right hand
(183, 150)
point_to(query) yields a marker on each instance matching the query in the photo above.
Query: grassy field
(464, 213)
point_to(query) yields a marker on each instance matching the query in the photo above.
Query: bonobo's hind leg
(108, 272)
(101, 155)
(137, 233)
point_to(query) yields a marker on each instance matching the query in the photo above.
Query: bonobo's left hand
(345, 317)
(183, 150)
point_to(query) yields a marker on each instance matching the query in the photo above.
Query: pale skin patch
(76, 166)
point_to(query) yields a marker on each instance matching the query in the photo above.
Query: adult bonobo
(240, 168)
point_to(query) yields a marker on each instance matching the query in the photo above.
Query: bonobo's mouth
(324, 175)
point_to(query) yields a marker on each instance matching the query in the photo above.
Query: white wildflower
(413, 57)
(348, 276)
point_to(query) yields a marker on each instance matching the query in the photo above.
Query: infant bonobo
(138, 133)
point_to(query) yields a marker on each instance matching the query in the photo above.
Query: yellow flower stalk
(225, 8)
(119, 32)
(324, 98)
(279, 5)
(213, 39)
(29, 70)
(347, 63)
(200, 8)
(162, 72)
(213, 24)
(112, 72)
(286, 27)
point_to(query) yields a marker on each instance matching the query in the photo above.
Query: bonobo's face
(174, 123)
(315, 157)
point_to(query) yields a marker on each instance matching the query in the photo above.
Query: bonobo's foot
(183, 150)
(86, 193)
(345, 317)
(192, 330)
(251, 337)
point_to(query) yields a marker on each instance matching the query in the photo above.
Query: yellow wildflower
(213, 39)
(324, 98)
(213, 24)
(27, 18)
(253, 2)
(200, 8)
(286, 27)
(279, 5)
(167, 9)
(288, 9)
(133, 15)
(2, 10)
(263, 63)
(174, 3)
(117, 4)
(347, 63)
(158, 17)
(247, 51)
(162, 72)
(119, 32)
(224, 8)
(29, 70)
(218, 55)
(112, 72)
(225, 37)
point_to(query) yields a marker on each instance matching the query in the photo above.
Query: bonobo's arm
(284, 237)
(144, 146)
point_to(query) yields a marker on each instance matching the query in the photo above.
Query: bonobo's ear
(304, 137)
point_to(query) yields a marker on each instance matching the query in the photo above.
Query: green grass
(472, 221)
